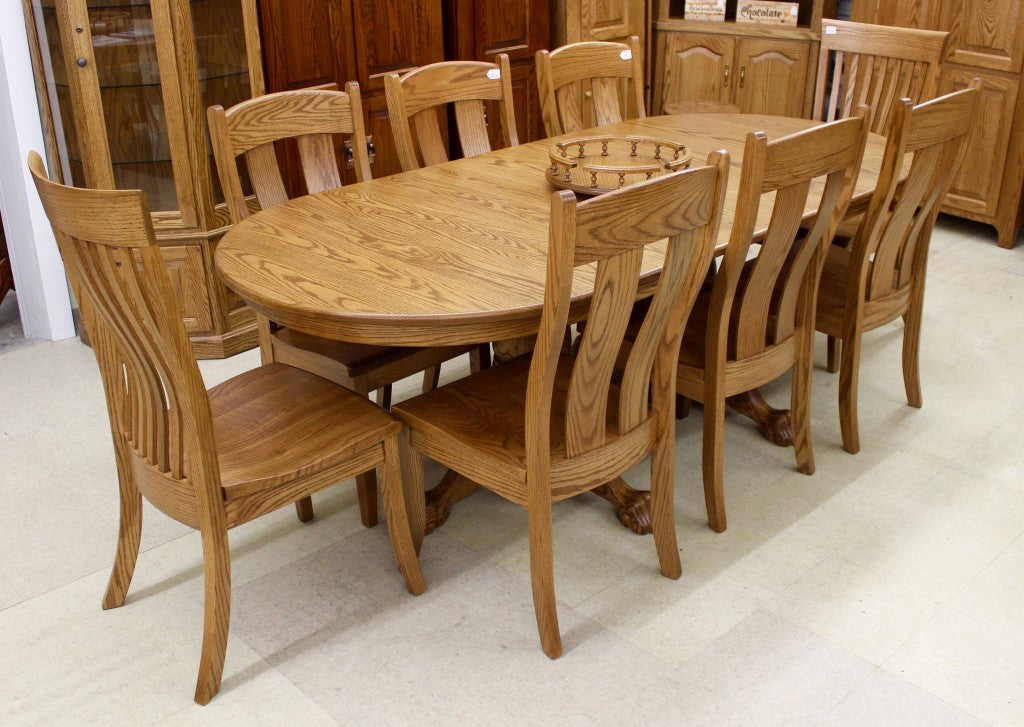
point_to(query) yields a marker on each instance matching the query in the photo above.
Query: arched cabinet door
(771, 76)
(694, 67)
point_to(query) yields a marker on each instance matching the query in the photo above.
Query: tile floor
(887, 589)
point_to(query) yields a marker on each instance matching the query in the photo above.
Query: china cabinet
(124, 86)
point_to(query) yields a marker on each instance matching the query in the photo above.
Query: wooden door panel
(771, 75)
(976, 189)
(393, 36)
(300, 47)
(185, 268)
(613, 20)
(985, 33)
(695, 67)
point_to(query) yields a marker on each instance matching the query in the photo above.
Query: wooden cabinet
(123, 89)
(478, 30)
(310, 42)
(986, 42)
(766, 69)
(610, 20)
(760, 75)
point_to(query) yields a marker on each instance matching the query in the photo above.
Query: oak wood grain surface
(453, 253)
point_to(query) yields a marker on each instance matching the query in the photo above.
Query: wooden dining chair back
(417, 100)
(211, 460)
(860, 63)
(757, 322)
(546, 426)
(313, 117)
(590, 84)
(881, 275)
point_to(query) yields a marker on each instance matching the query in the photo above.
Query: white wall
(43, 299)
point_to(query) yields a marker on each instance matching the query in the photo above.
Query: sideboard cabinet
(987, 42)
(764, 69)
(123, 87)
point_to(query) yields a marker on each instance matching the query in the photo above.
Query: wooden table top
(451, 254)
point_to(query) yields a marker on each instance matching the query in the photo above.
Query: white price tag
(830, 30)
(626, 54)
(494, 74)
(795, 10)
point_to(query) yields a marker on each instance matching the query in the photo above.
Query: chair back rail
(887, 251)
(611, 231)
(161, 409)
(313, 117)
(873, 65)
(582, 85)
(416, 100)
(771, 303)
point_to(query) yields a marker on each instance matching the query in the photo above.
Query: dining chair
(418, 99)
(880, 276)
(209, 459)
(545, 426)
(313, 118)
(755, 321)
(860, 63)
(580, 85)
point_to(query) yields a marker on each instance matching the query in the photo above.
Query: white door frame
(43, 299)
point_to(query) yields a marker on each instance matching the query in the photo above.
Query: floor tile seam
(929, 692)
(842, 699)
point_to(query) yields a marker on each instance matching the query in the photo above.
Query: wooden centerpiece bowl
(597, 164)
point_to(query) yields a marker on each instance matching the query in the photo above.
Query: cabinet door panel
(770, 76)
(613, 20)
(393, 36)
(985, 33)
(696, 68)
(976, 189)
(188, 281)
(299, 43)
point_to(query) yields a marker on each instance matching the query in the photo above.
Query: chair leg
(383, 396)
(682, 406)
(128, 537)
(714, 434)
(542, 577)
(431, 378)
(366, 487)
(911, 346)
(833, 345)
(800, 405)
(397, 515)
(217, 570)
(663, 519)
(304, 509)
(480, 358)
(412, 483)
(849, 371)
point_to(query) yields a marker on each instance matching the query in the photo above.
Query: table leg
(773, 424)
(452, 488)
(632, 507)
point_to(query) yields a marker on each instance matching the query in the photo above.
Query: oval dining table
(456, 254)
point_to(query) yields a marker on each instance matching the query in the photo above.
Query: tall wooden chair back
(874, 65)
(549, 426)
(312, 116)
(580, 85)
(161, 409)
(417, 100)
(772, 303)
(881, 276)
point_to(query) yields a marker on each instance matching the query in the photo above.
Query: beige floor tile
(765, 671)
(673, 620)
(974, 667)
(867, 614)
(1016, 548)
(884, 699)
(996, 596)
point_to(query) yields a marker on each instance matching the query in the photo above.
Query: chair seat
(484, 415)
(277, 423)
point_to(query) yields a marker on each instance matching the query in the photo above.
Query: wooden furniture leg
(440, 500)
(773, 424)
(632, 507)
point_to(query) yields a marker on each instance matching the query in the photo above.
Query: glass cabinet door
(125, 54)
